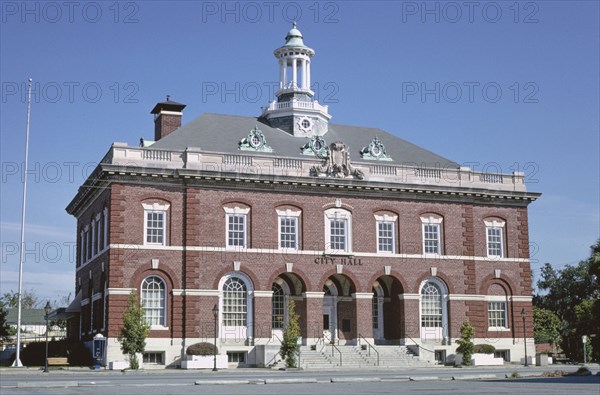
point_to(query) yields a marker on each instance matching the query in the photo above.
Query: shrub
(202, 349)
(484, 349)
(465, 345)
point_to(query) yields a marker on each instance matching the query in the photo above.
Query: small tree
(465, 345)
(134, 331)
(5, 329)
(289, 346)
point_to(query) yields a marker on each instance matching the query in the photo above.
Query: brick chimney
(167, 117)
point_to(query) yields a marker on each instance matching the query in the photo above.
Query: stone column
(263, 314)
(281, 73)
(363, 302)
(308, 74)
(303, 73)
(313, 311)
(294, 72)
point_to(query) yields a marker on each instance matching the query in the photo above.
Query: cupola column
(308, 74)
(294, 72)
(303, 73)
(281, 73)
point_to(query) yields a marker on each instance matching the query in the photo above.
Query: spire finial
(168, 97)
(294, 25)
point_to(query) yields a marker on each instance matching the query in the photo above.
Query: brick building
(377, 240)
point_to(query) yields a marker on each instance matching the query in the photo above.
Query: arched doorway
(286, 287)
(388, 310)
(339, 315)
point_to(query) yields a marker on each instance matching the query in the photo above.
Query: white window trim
(287, 214)
(432, 219)
(249, 328)
(338, 213)
(495, 223)
(230, 211)
(165, 296)
(386, 218)
(160, 208)
(504, 300)
(443, 331)
(105, 228)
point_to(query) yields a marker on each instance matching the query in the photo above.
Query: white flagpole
(17, 363)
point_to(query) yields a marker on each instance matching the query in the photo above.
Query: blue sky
(490, 84)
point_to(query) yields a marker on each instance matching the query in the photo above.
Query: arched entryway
(286, 287)
(339, 312)
(388, 311)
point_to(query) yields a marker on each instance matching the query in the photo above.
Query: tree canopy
(573, 295)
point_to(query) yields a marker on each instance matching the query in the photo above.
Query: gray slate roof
(28, 316)
(221, 133)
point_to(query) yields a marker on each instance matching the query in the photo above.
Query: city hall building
(377, 240)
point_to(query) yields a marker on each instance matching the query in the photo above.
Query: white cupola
(295, 110)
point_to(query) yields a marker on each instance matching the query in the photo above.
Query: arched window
(434, 310)
(154, 300)
(278, 307)
(431, 306)
(235, 304)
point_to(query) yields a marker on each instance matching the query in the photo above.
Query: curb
(290, 381)
(47, 384)
(355, 379)
(474, 376)
(221, 382)
(423, 378)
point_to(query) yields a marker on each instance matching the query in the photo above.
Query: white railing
(428, 173)
(296, 104)
(491, 178)
(159, 155)
(195, 159)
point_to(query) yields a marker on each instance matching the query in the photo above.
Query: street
(428, 381)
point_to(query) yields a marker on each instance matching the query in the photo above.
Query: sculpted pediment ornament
(337, 164)
(255, 141)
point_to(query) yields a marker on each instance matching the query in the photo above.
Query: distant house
(33, 324)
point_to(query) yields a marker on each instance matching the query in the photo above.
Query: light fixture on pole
(215, 311)
(47, 310)
(523, 315)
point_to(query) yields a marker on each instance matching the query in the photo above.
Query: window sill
(159, 328)
(498, 329)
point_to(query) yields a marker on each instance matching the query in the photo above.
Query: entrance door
(330, 312)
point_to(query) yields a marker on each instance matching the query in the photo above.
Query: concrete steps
(354, 357)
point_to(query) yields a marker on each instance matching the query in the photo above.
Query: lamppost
(215, 311)
(47, 310)
(523, 315)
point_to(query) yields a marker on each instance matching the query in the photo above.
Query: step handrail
(333, 348)
(370, 347)
(420, 346)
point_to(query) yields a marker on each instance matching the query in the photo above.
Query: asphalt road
(388, 382)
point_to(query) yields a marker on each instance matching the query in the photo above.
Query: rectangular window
(100, 234)
(385, 236)
(236, 357)
(338, 234)
(236, 230)
(497, 314)
(155, 227)
(494, 241)
(288, 233)
(154, 358)
(431, 238)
